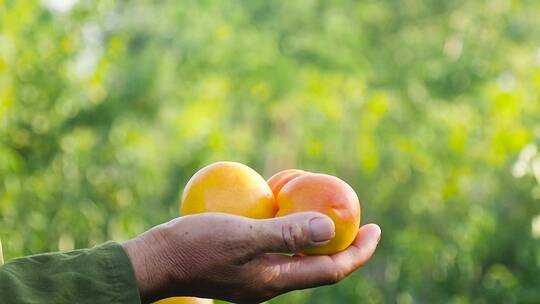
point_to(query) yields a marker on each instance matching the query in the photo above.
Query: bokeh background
(429, 109)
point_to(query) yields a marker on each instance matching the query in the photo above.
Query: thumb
(292, 233)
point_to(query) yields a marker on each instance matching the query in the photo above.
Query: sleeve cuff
(121, 273)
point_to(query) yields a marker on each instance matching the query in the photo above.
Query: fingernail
(379, 234)
(322, 229)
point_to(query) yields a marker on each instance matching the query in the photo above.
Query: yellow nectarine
(228, 187)
(326, 194)
(185, 300)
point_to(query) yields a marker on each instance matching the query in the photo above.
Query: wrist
(148, 256)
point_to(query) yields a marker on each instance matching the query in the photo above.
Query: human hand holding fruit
(225, 256)
(237, 189)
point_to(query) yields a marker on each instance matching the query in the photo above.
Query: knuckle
(335, 277)
(291, 234)
(332, 277)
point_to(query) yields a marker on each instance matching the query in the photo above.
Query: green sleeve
(102, 274)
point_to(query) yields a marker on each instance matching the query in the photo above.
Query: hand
(223, 256)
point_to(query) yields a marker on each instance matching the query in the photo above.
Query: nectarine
(228, 187)
(278, 180)
(185, 300)
(326, 194)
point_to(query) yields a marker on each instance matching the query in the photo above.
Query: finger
(293, 272)
(360, 250)
(292, 233)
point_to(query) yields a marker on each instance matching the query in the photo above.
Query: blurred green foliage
(430, 109)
